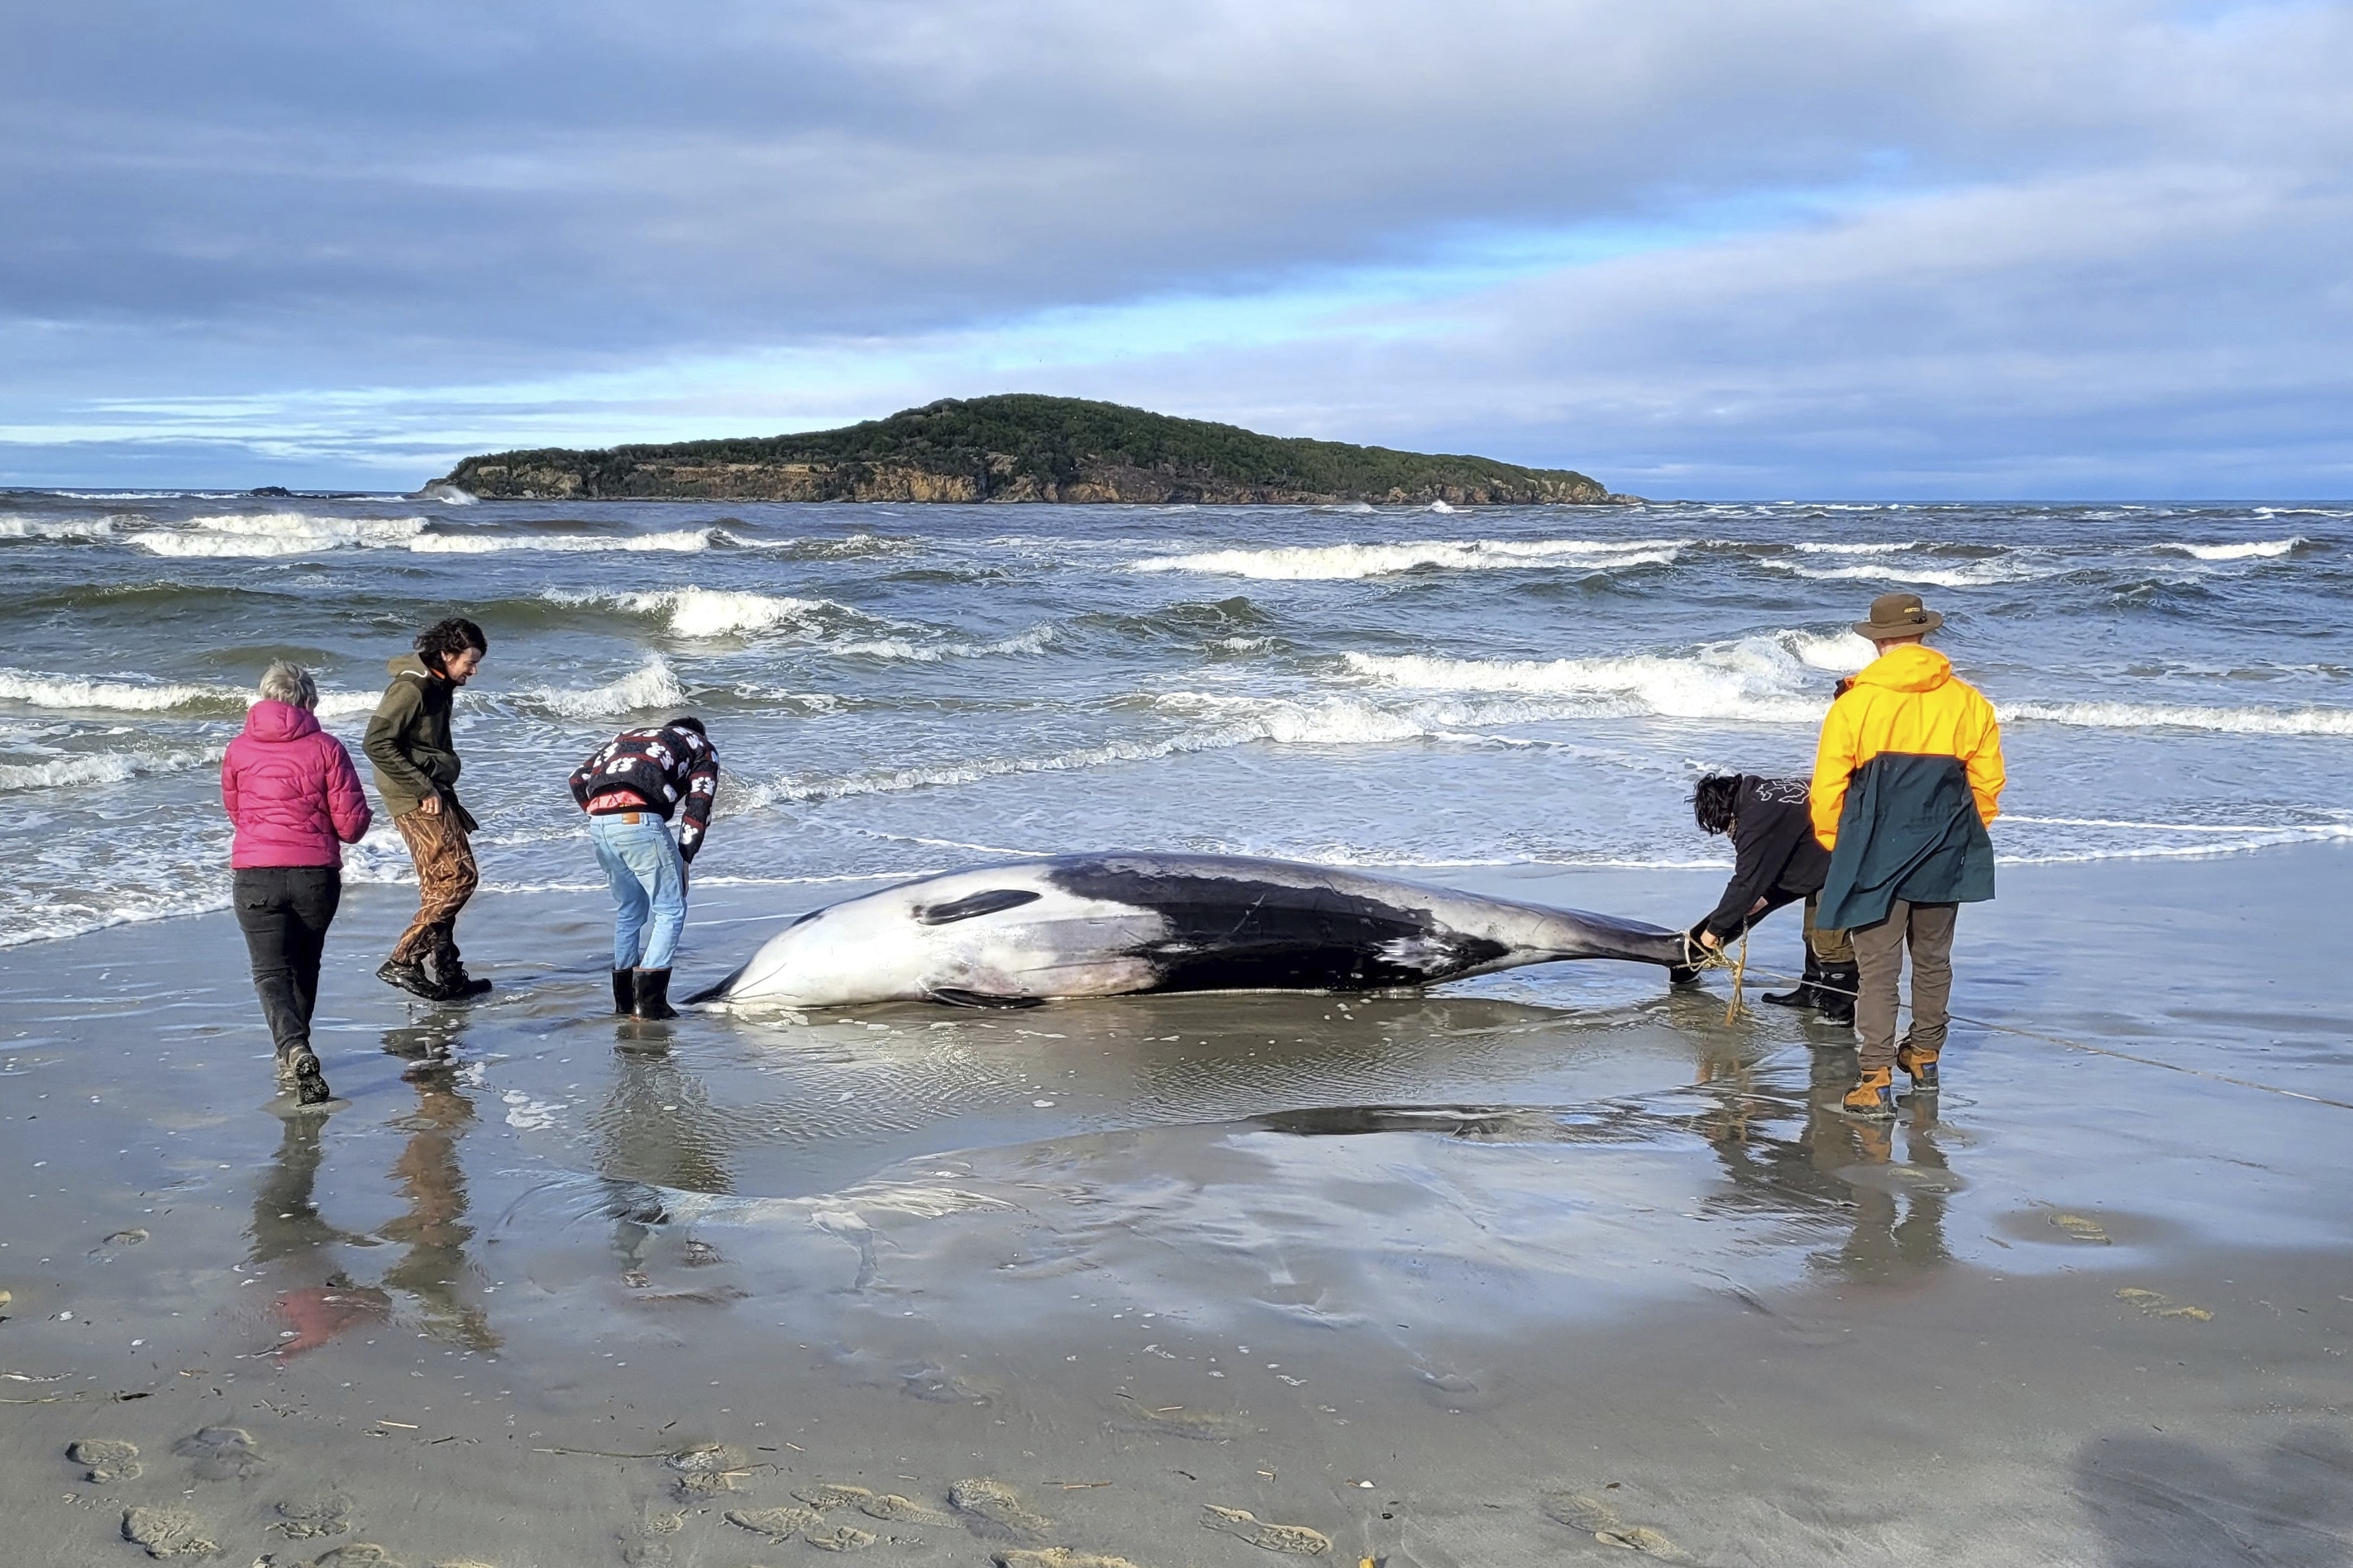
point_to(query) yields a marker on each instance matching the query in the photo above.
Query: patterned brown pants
(445, 880)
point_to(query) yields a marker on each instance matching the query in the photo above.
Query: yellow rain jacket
(1907, 775)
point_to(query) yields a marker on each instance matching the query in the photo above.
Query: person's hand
(430, 805)
(1708, 940)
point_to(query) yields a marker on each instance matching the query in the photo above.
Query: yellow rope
(1714, 959)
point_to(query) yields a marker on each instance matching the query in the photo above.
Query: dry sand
(1556, 1268)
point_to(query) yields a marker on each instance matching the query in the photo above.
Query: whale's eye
(987, 903)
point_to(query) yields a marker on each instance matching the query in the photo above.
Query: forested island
(1022, 447)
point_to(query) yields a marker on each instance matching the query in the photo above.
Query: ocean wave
(1329, 563)
(677, 540)
(257, 536)
(2254, 550)
(651, 685)
(1990, 573)
(696, 612)
(2176, 716)
(39, 691)
(1035, 640)
(1763, 679)
(88, 768)
(1888, 548)
(56, 528)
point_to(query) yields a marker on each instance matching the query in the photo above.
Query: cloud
(1817, 245)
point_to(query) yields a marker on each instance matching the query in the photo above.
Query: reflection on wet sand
(316, 1297)
(1836, 1169)
(656, 1130)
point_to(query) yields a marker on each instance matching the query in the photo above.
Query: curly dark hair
(1713, 799)
(438, 642)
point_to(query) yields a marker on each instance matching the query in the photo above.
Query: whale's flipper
(988, 904)
(719, 993)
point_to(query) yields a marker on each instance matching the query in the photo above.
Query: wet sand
(1545, 1268)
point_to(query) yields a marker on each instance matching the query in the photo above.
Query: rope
(1704, 958)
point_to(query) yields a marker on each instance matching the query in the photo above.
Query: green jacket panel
(409, 739)
(1909, 830)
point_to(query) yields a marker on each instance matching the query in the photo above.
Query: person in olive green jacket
(416, 771)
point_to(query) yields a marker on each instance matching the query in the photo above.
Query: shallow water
(900, 690)
(1414, 1273)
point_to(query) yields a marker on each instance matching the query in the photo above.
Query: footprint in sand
(359, 1554)
(222, 1453)
(2160, 1306)
(778, 1524)
(1596, 1517)
(2075, 1228)
(167, 1532)
(126, 1238)
(992, 1508)
(1296, 1538)
(105, 1459)
(840, 1538)
(326, 1513)
(893, 1509)
(1055, 1557)
(705, 1469)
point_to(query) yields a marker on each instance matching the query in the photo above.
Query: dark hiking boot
(624, 992)
(1837, 987)
(1806, 993)
(1920, 1064)
(653, 993)
(309, 1082)
(456, 986)
(1873, 1098)
(411, 978)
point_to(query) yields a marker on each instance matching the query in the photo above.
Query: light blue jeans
(649, 881)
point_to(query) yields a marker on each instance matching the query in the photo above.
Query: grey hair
(284, 682)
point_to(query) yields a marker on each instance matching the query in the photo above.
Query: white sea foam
(257, 535)
(1761, 679)
(39, 691)
(1841, 653)
(1858, 549)
(56, 528)
(2255, 550)
(87, 768)
(1034, 640)
(651, 685)
(1340, 562)
(2176, 716)
(696, 612)
(678, 541)
(1991, 572)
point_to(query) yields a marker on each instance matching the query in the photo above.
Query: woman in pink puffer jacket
(295, 799)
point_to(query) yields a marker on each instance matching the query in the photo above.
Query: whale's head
(865, 949)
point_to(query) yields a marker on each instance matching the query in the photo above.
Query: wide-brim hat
(1898, 615)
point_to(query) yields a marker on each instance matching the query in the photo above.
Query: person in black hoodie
(1778, 860)
(630, 789)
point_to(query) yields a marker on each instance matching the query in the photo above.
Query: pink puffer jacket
(291, 790)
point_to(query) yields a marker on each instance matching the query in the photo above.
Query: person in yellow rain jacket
(1907, 776)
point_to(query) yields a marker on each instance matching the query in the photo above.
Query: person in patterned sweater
(631, 789)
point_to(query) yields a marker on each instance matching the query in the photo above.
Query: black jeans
(285, 911)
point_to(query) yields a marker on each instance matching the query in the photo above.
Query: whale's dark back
(1230, 931)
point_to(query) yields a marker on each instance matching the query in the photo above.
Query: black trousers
(285, 911)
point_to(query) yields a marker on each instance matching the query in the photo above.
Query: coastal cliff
(1023, 448)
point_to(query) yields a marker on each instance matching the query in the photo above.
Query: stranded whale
(1114, 925)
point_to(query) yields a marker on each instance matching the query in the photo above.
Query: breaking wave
(263, 534)
(1340, 562)
(677, 540)
(60, 528)
(653, 685)
(2175, 716)
(1761, 679)
(37, 690)
(2255, 550)
(88, 768)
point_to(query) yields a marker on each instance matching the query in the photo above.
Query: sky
(1824, 248)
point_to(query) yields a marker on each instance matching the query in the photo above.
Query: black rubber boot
(456, 986)
(1806, 993)
(411, 978)
(1836, 988)
(653, 993)
(624, 992)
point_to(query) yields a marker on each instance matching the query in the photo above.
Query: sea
(897, 690)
